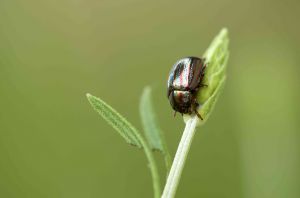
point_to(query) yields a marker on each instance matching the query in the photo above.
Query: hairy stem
(152, 166)
(180, 157)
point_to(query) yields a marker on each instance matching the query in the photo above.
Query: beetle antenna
(203, 85)
(198, 115)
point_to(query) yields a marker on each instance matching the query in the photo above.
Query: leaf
(152, 131)
(154, 134)
(216, 58)
(117, 121)
(207, 107)
(129, 133)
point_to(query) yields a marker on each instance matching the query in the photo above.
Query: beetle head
(181, 101)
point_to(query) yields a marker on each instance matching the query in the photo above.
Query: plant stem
(180, 157)
(166, 153)
(152, 166)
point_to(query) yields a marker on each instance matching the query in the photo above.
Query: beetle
(185, 80)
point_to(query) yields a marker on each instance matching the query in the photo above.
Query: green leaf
(154, 134)
(152, 131)
(216, 58)
(118, 122)
(129, 133)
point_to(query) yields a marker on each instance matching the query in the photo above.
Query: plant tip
(224, 30)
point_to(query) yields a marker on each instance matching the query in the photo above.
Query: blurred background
(52, 52)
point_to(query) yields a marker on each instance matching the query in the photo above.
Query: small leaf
(154, 134)
(207, 107)
(129, 133)
(118, 122)
(152, 131)
(216, 58)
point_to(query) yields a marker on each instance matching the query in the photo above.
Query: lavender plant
(216, 57)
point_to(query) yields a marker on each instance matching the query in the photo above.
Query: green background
(52, 52)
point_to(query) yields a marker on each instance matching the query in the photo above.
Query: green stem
(152, 165)
(166, 153)
(180, 157)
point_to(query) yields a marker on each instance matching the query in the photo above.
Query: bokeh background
(52, 52)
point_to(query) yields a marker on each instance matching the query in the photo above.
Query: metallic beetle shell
(184, 81)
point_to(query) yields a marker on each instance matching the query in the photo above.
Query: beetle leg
(203, 70)
(198, 114)
(174, 114)
(201, 78)
(206, 64)
(196, 105)
(200, 85)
